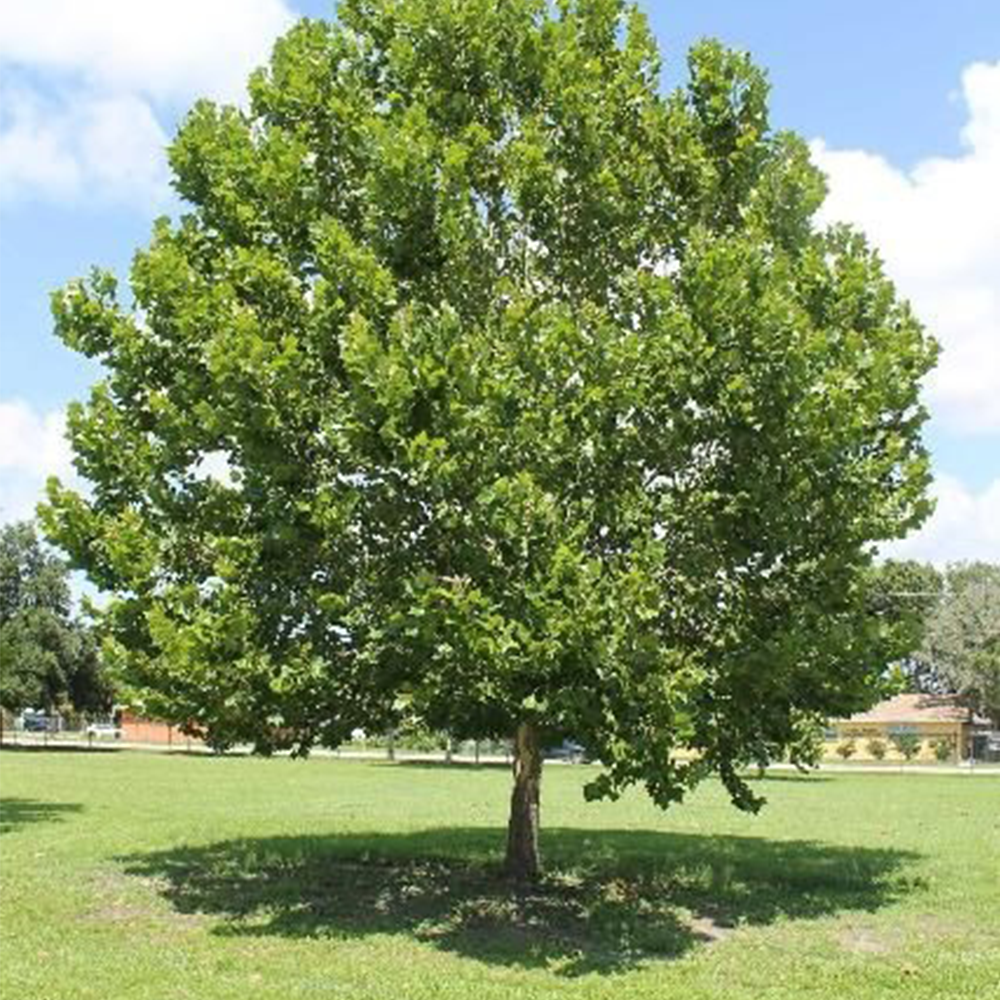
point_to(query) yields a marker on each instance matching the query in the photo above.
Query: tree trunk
(523, 862)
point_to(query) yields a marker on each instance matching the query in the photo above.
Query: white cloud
(169, 52)
(938, 229)
(32, 448)
(964, 526)
(115, 74)
(111, 148)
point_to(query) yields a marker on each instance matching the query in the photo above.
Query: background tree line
(950, 620)
(49, 657)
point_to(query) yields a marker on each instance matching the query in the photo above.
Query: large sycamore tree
(485, 383)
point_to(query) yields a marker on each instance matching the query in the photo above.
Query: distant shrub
(944, 748)
(908, 744)
(877, 748)
(847, 749)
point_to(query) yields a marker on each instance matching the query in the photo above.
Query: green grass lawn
(141, 875)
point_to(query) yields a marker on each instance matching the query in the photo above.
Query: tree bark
(523, 862)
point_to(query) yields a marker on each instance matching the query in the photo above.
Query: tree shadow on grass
(419, 764)
(17, 813)
(611, 900)
(434, 764)
(788, 777)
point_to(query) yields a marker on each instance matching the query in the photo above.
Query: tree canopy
(46, 658)
(535, 399)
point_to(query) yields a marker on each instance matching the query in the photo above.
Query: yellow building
(942, 726)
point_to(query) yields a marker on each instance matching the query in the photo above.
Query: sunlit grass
(151, 876)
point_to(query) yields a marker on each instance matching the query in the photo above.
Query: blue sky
(901, 103)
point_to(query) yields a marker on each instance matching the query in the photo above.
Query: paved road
(182, 745)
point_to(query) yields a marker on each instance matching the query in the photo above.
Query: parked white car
(103, 731)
